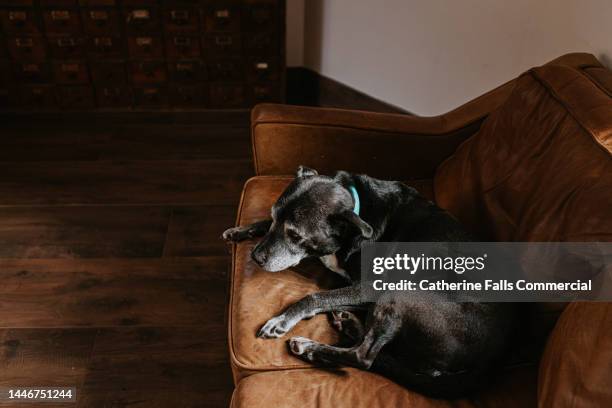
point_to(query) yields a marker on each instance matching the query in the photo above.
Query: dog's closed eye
(293, 236)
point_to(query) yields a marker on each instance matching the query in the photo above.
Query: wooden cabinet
(124, 54)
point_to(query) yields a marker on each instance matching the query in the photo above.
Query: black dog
(440, 348)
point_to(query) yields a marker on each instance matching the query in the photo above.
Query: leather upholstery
(540, 168)
(577, 364)
(529, 161)
(351, 388)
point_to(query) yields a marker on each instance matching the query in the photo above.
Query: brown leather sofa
(528, 161)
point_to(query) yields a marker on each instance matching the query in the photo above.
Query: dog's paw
(275, 327)
(348, 324)
(302, 347)
(235, 234)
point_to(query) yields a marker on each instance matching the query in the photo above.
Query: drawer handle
(224, 40)
(144, 41)
(70, 67)
(66, 42)
(103, 42)
(30, 68)
(60, 15)
(179, 16)
(19, 16)
(99, 16)
(185, 67)
(24, 42)
(262, 66)
(224, 13)
(182, 41)
(141, 14)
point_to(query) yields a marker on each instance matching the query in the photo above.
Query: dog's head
(312, 218)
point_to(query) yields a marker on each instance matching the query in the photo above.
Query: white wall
(429, 56)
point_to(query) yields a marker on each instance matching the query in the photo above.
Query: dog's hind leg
(349, 326)
(383, 325)
(237, 234)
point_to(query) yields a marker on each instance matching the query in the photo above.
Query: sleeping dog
(439, 348)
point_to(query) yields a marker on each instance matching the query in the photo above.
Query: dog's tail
(435, 384)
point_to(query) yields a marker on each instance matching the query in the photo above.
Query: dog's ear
(304, 171)
(350, 222)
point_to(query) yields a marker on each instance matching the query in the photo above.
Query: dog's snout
(260, 257)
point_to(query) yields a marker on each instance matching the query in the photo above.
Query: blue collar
(355, 199)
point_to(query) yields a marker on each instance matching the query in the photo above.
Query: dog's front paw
(275, 327)
(302, 347)
(235, 234)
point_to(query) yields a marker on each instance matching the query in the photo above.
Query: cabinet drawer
(3, 50)
(101, 21)
(181, 19)
(261, 44)
(113, 96)
(98, 3)
(59, 3)
(142, 20)
(113, 73)
(146, 72)
(75, 97)
(187, 71)
(16, 3)
(5, 73)
(220, 44)
(61, 21)
(6, 100)
(227, 70)
(260, 93)
(105, 47)
(36, 97)
(222, 18)
(65, 47)
(227, 95)
(260, 17)
(20, 21)
(152, 96)
(263, 69)
(27, 48)
(31, 72)
(138, 3)
(145, 47)
(182, 46)
(70, 72)
(188, 95)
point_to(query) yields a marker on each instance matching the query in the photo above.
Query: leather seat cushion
(353, 388)
(257, 295)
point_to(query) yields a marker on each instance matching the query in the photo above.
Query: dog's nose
(259, 257)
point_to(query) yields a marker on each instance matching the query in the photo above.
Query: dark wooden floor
(113, 277)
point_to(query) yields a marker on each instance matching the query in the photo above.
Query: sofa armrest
(392, 146)
(576, 366)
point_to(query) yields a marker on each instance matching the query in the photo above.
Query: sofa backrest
(540, 167)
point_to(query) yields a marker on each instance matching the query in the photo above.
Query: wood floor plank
(212, 182)
(158, 368)
(44, 358)
(82, 232)
(125, 143)
(196, 230)
(113, 292)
